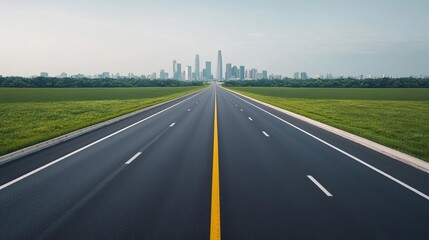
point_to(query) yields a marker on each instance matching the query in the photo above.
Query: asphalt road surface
(155, 175)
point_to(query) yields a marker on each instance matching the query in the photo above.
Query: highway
(212, 165)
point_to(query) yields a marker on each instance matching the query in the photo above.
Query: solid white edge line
(266, 134)
(341, 151)
(250, 118)
(319, 185)
(171, 125)
(89, 145)
(133, 158)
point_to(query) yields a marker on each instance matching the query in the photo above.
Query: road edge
(54, 141)
(390, 152)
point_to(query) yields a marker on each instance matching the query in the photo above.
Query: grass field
(32, 115)
(397, 118)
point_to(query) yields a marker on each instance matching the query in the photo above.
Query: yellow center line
(215, 207)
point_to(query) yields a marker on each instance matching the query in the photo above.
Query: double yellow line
(215, 204)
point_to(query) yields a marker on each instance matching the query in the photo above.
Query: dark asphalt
(165, 193)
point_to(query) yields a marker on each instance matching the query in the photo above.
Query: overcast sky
(342, 37)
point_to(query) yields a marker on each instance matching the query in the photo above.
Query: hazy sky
(342, 37)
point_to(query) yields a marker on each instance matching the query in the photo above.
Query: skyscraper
(197, 67)
(188, 73)
(264, 74)
(234, 72)
(163, 75)
(296, 75)
(304, 76)
(219, 72)
(241, 73)
(174, 69)
(228, 71)
(208, 75)
(253, 73)
(178, 73)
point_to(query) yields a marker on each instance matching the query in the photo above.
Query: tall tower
(178, 74)
(188, 73)
(174, 68)
(219, 66)
(241, 73)
(208, 75)
(197, 67)
(228, 71)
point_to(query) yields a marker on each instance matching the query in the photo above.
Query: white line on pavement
(171, 125)
(266, 134)
(250, 119)
(341, 151)
(89, 145)
(134, 157)
(319, 185)
(189, 109)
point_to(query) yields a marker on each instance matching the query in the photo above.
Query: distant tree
(408, 82)
(42, 82)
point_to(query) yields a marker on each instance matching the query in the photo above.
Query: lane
(30, 162)
(272, 196)
(401, 171)
(37, 205)
(164, 194)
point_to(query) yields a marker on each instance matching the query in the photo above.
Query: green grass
(397, 118)
(29, 116)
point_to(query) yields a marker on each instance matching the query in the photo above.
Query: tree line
(408, 82)
(43, 82)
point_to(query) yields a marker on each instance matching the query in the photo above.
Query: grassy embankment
(397, 118)
(32, 115)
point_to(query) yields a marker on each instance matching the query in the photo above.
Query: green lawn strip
(401, 125)
(26, 123)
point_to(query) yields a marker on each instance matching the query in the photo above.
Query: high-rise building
(296, 75)
(152, 76)
(264, 74)
(44, 74)
(234, 72)
(197, 67)
(188, 73)
(253, 73)
(241, 73)
(304, 76)
(174, 68)
(178, 74)
(208, 75)
(248, 75)
(163, 75)
(219, 72)
(228, 71)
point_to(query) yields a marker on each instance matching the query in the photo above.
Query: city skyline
(319, 37)
(230, 72)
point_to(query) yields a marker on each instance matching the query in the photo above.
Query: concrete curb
(395, 154)
(51, 142)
